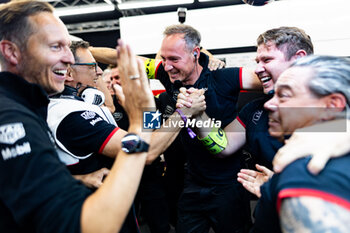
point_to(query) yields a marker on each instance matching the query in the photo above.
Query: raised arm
(106, 209)
(250, 80)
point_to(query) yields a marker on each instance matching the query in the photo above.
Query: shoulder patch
(87, 115)
(10, 133)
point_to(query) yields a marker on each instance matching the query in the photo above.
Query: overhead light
(155, 3)
(78, 10)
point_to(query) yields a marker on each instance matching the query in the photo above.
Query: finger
(184, 103)
(318, 162)
(246, 177)
(178, 105)
(143, 77)
(285, 156)
(191, 90)
(181, 96)
(249, 172)
(263, 169)
(183, 90)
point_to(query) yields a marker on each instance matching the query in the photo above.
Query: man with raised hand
(38, 194)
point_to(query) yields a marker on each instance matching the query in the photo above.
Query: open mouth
(60, 72)
(265, 79)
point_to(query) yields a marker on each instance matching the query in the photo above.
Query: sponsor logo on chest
(10, 133)
(256, 116)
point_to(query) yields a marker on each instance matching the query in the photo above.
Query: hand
(191, 101)
(215, 64)
(94, 179)
(118, 90)
(322, 147)
(137, 92)
(252, 180)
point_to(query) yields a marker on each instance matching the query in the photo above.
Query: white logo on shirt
(13, 152)
(10, 133)
(257, 116)
(93, 122)
(87, 115)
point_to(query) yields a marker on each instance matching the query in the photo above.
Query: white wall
(326, 21)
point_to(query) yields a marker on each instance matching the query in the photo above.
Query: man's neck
(195, 74)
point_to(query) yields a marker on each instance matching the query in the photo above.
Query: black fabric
(223, 88)
(38, 194)
(120, 116)
(223, 207)
(259, 143)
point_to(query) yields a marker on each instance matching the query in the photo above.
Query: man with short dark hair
(38, 194)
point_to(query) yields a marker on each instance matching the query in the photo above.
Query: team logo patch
(151, 120)
(11, 133)
(87, 115)
(118, 116)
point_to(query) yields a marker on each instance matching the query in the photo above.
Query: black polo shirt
(38, 194)
(223, 87)
(254, 118)
(331, 185)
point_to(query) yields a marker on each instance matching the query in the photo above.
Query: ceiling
(102, 29)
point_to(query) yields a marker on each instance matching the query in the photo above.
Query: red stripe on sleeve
(298, 192)
(107, 140)
(155, 73)
(240, 121)
(240, 78)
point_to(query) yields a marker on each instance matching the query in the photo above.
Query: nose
(68, 57)
(272, 104)
(167, 66)
(99, 71)
(259, 68)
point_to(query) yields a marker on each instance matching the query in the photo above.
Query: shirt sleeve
(83, 134)
(244, 114)
(37, 190)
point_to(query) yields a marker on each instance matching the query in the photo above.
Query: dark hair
(191, 36)
(14, 23)
(287, 39)
(80, 44)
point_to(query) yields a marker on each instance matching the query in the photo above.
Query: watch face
(130, 142)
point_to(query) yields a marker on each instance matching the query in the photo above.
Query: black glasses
(91, 64)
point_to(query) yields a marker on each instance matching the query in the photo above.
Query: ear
(196, 52)
(335, 103)
(10, 52)
(69, 75)
(300, 53)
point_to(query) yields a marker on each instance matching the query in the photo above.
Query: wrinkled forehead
(295, 78)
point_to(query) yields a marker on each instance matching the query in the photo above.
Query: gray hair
(330, 75)
(191, 36)
(287, 39)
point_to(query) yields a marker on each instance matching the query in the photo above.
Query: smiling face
(293, 105)
(178, 61)
(84, 72)
(271, 62)
(47, 54)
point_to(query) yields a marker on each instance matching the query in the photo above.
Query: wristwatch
(132, 143)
